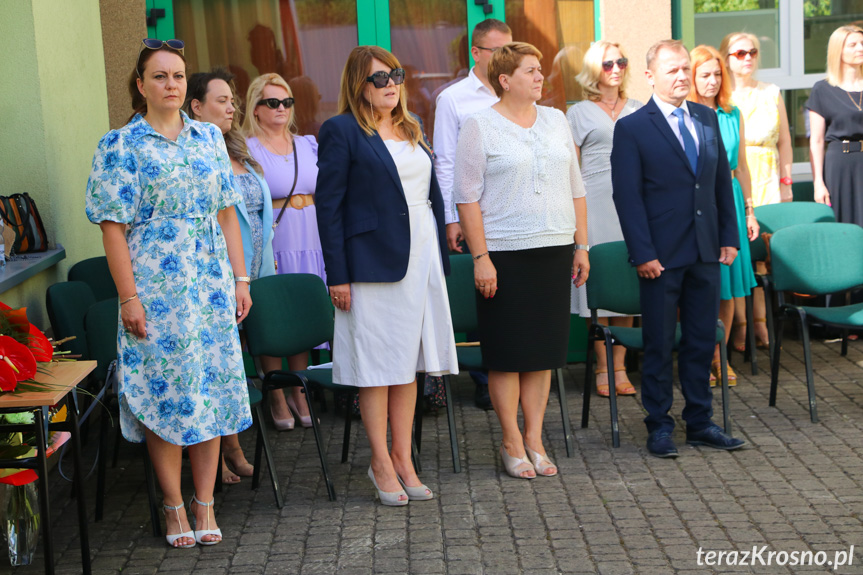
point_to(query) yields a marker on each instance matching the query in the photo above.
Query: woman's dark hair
(197, 87)
(139, 103)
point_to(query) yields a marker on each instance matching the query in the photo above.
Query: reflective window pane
(716, 18)
(305, 41)
(430, 40)
(562, 30)
(795, 102)
(820, 19)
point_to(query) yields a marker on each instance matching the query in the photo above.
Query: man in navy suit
(672, 189)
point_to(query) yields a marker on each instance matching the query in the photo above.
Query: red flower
(16, 363)
(39, 345)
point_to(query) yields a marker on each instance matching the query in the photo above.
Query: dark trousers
(694, 290)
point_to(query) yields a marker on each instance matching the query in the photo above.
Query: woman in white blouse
(521, 204)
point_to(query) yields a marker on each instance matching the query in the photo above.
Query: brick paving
(610, 511)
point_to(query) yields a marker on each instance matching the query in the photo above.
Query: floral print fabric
(185, 381)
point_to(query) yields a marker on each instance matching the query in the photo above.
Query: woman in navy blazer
(210, 98)
(381, 220)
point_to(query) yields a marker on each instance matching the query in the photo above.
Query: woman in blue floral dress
(161, 190)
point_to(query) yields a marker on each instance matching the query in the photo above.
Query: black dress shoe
(481, 397)
(660, 444)
(713, 436)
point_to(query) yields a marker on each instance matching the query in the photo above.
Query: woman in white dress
(381, 219)
(603, 78)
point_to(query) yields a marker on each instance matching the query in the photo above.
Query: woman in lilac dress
(269, 127)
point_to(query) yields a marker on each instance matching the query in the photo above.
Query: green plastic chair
(95, 273)
(100, 322)
(803, 191)
(772, 218)
(613, 286)
(291, 313)
(67, 304)
(462, 303)
(816, 259)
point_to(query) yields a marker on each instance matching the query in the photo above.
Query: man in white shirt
(453, 106)
(456, 103)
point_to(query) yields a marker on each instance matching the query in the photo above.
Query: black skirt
(843, 176)
(525, 326)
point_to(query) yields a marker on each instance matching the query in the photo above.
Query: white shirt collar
(668, 109)
(476, 83)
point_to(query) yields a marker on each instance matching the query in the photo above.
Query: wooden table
(63, 377)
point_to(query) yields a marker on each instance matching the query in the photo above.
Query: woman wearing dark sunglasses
(768, 148)
(161, 189)
(603, 79)
(290, 169)
(381, 217)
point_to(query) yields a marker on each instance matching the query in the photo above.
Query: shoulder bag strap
(293, 187)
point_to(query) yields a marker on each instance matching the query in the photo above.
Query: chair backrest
(817, 258)
(773, 217)
(67, 304)
(613, 282)
(101, 323)
(291, 313)
(95, 273)
(803, 191)
(462, 293)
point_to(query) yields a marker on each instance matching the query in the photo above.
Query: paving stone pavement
(609, 511)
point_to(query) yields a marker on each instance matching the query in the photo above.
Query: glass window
(798, 120)
(305, 41)
(714, 19)
(562, 30)
(430, 40)
(820, 19)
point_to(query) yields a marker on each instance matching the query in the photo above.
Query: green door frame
(164, 28)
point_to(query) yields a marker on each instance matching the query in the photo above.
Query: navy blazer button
(403, 214)
(697, 186)
(697, 212)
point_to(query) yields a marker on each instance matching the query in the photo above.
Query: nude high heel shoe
(515, 466)
(540, 462)
(421, 493)
(389, 498)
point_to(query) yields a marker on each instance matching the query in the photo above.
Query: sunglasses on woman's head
(741, 54)
(154, 44)
(381, 79)
(274, 103)
(608, 65)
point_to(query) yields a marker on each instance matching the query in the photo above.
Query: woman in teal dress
(710, 87)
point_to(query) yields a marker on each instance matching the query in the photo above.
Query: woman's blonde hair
(506, 59)
(734, 37)
(834, 52)
(352, 98)
(251, 126)
(591, 70)
(700, 55)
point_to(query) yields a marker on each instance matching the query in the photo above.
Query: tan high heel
(515, 466)
(540, 462)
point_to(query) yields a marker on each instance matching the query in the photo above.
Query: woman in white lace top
(521, 204)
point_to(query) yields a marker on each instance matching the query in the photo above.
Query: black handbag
(20, 214)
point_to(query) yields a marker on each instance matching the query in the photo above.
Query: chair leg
(450, 418)
(844, 351)
(588, 381)
(723, 371)
(263, 443)
(771, 328)
(774, 357)
(151, 495)
(331, 491)
(612, 392)
(346, 440)
(807, 357)
(101, 465)
(118, 437)
(564, 412)
(750, 335)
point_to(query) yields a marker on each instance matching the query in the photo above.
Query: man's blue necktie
(688, 142)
